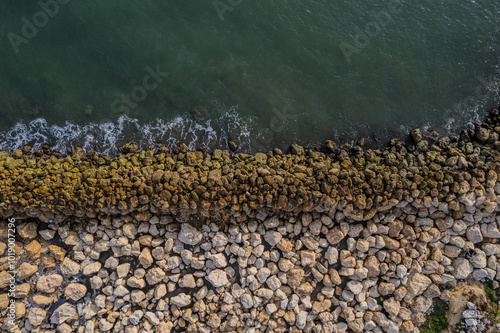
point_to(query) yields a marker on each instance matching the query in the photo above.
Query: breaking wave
(108, 137)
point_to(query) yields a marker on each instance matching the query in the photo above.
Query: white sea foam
(107, 137)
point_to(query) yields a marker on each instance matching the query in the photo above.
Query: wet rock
(297, 150)
(233, 146)
(482, 134)
(416, 135)
(330, 145)
(129, 148)
(260, 158)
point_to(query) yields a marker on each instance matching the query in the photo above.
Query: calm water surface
(263, 73)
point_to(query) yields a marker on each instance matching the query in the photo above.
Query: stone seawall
(339, 240)
(194, 186)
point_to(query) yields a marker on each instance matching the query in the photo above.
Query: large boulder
(416, 285)
(63, 313)
(189, 235)
(474, 234)
(463, 268)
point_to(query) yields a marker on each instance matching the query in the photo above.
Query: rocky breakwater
(193, 186)
(351, 241)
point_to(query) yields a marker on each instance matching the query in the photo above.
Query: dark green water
(262, 73)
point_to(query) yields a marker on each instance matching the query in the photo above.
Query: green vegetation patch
(492, 294)
(436, 320)
(461, 327)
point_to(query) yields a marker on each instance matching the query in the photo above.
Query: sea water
(262, 73)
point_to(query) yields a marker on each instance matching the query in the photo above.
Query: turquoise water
(262, 73)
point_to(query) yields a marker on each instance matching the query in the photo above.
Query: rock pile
(475, 320)
(354, 241)
(317, 272)
(193, 186)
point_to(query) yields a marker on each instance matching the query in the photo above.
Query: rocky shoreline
(341, 240)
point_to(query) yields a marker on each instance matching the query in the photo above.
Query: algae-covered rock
(130, 147)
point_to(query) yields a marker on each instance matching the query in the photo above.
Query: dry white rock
(272, 237)
(36, 316)
(474, 234)
(189, 235)
(181, 300)
(63, 313)
(218, 259)
(355, 286)
(92, 268)
(217, 278)
(463, 268)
